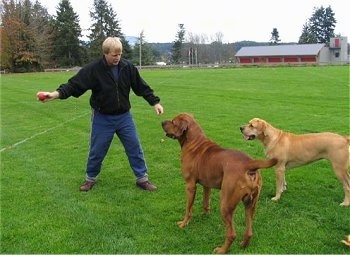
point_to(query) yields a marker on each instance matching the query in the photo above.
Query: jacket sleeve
(141, 88)
(77, 85)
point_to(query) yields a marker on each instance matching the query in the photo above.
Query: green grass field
(44, 149)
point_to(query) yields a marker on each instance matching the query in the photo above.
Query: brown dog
(293, 150)
(206, 163)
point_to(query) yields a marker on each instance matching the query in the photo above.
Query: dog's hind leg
(250, 203)
(344, 177)
(230, 231)
(229, 201)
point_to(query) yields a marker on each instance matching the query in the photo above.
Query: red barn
(336, 53)
(279, 54)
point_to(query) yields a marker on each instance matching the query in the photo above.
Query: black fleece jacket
(108, 96)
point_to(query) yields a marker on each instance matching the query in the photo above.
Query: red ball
(42, 96)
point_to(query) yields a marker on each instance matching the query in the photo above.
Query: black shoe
(87, 185)
(146, 186)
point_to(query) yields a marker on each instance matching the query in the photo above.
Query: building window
(336, 54)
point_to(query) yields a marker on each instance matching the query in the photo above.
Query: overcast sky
(237, 20)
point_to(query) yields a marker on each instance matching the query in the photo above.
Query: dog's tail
(256, 164)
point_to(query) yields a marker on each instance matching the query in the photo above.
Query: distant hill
(132, 40)
(166, 48)
(238, 45)
(163, 50)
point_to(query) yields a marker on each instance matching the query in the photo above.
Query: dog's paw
(245, 243)
(346, 241)
(182, 224)
(219, 250)
(276, 198)
(206, 211)
(345, 203)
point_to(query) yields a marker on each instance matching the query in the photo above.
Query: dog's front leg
(190, 193)
(280, 181)
(206, 200)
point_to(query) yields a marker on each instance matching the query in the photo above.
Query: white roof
(280, 50)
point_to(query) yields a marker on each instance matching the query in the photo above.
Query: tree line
(34, 40)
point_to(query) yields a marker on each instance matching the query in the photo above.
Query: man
(110, 79)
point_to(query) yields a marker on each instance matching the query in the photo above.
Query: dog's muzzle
(247, 137)
(170, 136)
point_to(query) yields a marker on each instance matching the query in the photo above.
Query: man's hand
(47, 96)
(159, 109)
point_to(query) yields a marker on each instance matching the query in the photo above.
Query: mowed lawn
(44, 149)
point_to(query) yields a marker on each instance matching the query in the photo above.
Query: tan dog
(205, 162)
(293, 150)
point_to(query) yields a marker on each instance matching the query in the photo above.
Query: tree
(19, 44)
(10, 24)
(307, 37)
(320, 26)
(105, 24)
(142, 52)
(217, 47)
(5, 52)
(178, 45)
(67, 51)
(43, 28)
(275, 38)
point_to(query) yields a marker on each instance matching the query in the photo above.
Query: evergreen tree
(42, 25)
(67, 51)
(142, 52)
(307, 37)
(275, 38)
(178, 45)
(320, 27)
(322, 24)
(105, 24)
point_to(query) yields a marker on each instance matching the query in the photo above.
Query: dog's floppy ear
(183, 125)
(262, 126)
(259, 124)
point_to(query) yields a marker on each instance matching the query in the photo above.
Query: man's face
(113, 57)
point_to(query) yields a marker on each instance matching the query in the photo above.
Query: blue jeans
(103, 129)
